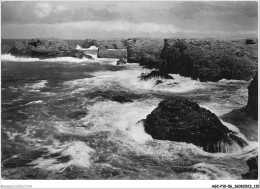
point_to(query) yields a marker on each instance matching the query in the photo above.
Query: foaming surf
(209, 171)
(74, 153)
(35, 87)
(131, 78)
(9, 57)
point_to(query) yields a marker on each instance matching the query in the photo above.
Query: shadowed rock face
(208, 60)
(252, 104)
(181, 120)
(45, 48)
(253, 169)
(145, 51)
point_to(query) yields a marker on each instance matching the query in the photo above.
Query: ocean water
(67, 118)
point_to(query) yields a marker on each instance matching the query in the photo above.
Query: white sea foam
(218, 108)
(92, 48)
(9, 57)
(35, 87)
(130, 79)
(229, 81)
(210, 171)
(78, 152)
(35, 102)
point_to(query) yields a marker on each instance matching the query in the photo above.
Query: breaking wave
(9, 57)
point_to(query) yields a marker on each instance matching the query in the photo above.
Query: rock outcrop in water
(252, 104)
(45, 48)
(253, 169)
(155, 74)
(145, 51)
(251, 41)
(121, 61)
(181, 120)
(207, 60)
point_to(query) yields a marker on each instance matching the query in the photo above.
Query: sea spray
(77, 154)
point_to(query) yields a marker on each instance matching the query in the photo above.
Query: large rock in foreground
(209, 60)
(45, 48)
(181, 120)
(252, 104)
(145, 51)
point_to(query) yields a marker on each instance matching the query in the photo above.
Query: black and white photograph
(136, 91)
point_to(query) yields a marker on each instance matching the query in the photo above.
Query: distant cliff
(45, 48)
(145, 51)
(207, 60)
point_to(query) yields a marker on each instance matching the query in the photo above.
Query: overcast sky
(80, 20)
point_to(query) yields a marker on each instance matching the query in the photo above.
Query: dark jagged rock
(111, 53)
(158, 82)
(155, 74)
(251, 41)
(145, 51)
(45, 48)
(208, 60)
(108, 44)
(121, 61)
(89, 42)
(252, 104)
(178, 119)
(119, 96)
(252, 174)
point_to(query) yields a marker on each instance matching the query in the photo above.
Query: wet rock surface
(178, 119)
(121, 61)
(252, 173)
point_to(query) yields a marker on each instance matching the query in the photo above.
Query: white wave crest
(35, 102)
(130, 79)
(226, 81)
(210, 171)
(35, 87)
(9, 57)
(110, 115)
(92, 48)
(78, 152)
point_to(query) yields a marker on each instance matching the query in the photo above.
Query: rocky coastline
(46, 48)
